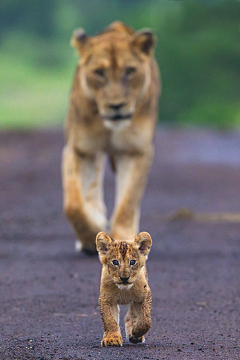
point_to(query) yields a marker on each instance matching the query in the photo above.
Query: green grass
(32, 96)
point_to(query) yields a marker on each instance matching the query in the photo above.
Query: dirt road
(49, 294)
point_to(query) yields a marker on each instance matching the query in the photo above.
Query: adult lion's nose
(116, 106)
(124, 279)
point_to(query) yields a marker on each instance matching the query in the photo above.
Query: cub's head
(124, 259)
(115, 69)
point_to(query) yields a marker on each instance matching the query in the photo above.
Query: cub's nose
(116, 106)
(124, 280)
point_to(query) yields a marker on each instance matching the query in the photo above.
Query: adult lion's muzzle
(118, 117)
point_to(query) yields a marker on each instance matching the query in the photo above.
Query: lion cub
(124, 280)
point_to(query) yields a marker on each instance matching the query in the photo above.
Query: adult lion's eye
(132, 262)
(100, 72)
(115, 262)
(130, 71)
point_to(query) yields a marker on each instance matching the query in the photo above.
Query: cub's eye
(115, 262)
(100, 72)
(132, 262)
(130, 71)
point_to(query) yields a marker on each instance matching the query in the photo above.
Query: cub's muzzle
(124, 280)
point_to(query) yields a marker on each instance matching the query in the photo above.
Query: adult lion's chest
(129, 140)
(92, 139)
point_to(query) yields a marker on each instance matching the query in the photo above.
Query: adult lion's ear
(120, 27)
(80, 40)
(144, 41)
(144, 243)
(103, 243)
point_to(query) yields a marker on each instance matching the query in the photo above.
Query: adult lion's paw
(112, 341)
(137, 340)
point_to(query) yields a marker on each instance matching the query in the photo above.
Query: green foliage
(198, 52)
(199, 56)
(30, 97)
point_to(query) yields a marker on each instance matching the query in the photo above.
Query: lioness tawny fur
(112, 113)
(124, 280)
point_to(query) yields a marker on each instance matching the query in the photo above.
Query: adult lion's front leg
(83, 195)
(131, 177)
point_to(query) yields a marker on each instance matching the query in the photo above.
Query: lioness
(124, 281)
(113, 109)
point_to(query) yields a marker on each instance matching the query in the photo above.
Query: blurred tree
(35, 16)
(199, 53)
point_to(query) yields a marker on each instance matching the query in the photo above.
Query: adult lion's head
(115, 69)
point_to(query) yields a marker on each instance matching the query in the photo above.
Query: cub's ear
(144, 41)
(103, 243)
(80, 40)
(144, 243)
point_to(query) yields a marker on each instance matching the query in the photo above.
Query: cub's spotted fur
(124, 281)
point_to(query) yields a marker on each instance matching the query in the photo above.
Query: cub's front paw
(137, 340)
(112, 341)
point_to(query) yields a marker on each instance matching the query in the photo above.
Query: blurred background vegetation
(198, 51)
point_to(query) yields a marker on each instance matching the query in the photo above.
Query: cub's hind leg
(138, 320)
(130, 320)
